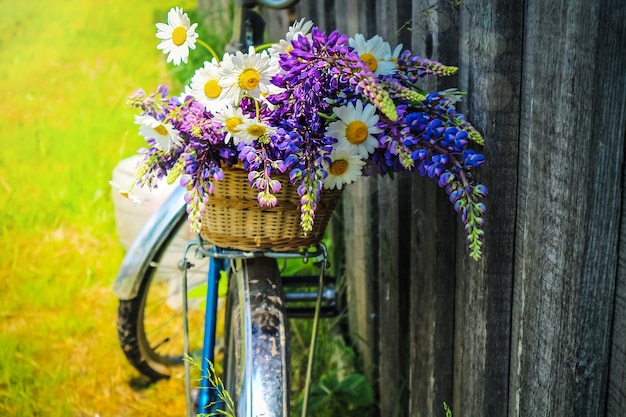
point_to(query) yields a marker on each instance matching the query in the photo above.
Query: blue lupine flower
(416, 131)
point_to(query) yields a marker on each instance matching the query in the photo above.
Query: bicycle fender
(150, 239)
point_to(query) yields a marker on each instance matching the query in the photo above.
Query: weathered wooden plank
(321, 12)
(349, 17)
(569, 205)
(611, 123)
(431, 308)
(360, 273)
(353, 16)
(276, 23)
(393, 251)
(432, 278)
(616, 395)
(490, 56)
(539, 345)
(390, 338)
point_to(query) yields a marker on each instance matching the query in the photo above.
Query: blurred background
(67, 70)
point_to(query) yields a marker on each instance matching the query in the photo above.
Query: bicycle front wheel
(257, 357)
(150, 325)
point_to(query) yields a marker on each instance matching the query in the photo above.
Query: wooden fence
(538, 326)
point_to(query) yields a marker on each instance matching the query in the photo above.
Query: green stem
(208, 47)
(261, 47)
(327, 117)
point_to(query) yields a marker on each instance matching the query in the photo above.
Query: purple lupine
(420, 131)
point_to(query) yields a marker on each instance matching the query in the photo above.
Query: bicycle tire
(149, 326)
(257, 357)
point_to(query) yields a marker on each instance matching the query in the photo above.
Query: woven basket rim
(233, 217)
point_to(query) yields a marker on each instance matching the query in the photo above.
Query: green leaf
(319, 398)
(356, 391)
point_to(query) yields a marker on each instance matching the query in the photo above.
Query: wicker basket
(233, 218)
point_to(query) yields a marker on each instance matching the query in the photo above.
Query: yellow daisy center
(356, 132)
(370, 61)
(160, 129)
(179, 35)
(232, 123)
(339, 167)
(256, 130)
(212, 89)
(249, 79)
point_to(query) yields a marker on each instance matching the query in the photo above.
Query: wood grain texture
(538, 326)
(390, 338)
(431, 304)
(360, 272)
(277, 23)
(433, 249)
(393, 251)
(611, 123)
(568, 213)
(490, 56)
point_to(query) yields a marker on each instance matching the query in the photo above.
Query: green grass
(67, 70)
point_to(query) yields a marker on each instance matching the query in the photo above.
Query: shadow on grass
(140, 383)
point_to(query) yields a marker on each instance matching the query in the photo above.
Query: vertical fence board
(277, 23)
(490, 60)
(388, 317)
(359, 207)
(569, 197)
(391, 338)
(433, 231)
(431, 302)
(611, 57)
(360, 268)
(527, 330)
(616, 396)
(607, 132)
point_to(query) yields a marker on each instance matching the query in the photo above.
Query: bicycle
(256, 363)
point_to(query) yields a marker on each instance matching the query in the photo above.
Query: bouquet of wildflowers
(320, 107)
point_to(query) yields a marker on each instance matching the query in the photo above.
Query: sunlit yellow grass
(67, 68)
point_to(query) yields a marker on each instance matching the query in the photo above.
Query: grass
(67, 69)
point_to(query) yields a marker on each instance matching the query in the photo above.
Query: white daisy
(355, 128)
(301, 27)
(395, 55)
(252, 129)
(245, 74)
(164, 134)
(178, 36)
(376, 53)
(126, 192)
(205, 87)
(345, 168)
(232, 119)
(182, 97)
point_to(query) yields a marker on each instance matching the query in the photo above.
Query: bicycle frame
(205, 398)
(163, 224)
(218, 257)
